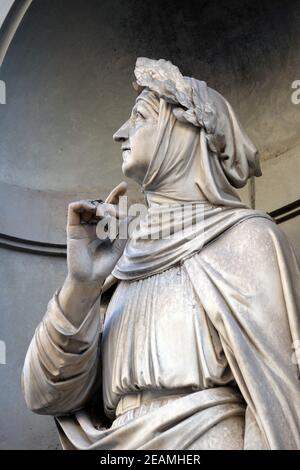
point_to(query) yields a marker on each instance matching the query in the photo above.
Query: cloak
(247, 281)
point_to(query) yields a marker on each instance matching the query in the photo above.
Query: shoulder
(257, 235)
(259, 230)
(250, 255)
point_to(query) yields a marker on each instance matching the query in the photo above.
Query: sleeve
(61, 365)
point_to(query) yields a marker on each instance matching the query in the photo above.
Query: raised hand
(90, 259)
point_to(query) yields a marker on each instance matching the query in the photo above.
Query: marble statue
(183, 342)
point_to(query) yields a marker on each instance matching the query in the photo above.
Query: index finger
(116, 193)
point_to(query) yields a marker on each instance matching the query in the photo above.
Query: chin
(127, 169)
(130, 171)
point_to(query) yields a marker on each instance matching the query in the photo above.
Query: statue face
(138, 138)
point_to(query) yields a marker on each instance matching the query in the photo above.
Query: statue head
(183, 140)
(138, 136)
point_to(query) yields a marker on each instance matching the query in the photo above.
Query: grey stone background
(68, 74)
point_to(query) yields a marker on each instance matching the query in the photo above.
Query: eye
(139, 115)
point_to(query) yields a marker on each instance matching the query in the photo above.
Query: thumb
(120, 241)
(116, 193)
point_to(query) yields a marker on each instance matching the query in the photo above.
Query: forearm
(61, 363)
(76, 299)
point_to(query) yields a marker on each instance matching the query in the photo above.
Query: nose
(123, 133)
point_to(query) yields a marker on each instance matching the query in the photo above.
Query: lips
(125, 153)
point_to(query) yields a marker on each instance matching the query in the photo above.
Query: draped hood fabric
(191, 178)
(215, 158)
(203, 223)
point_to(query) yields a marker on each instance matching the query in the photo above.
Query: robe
(245, 288)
